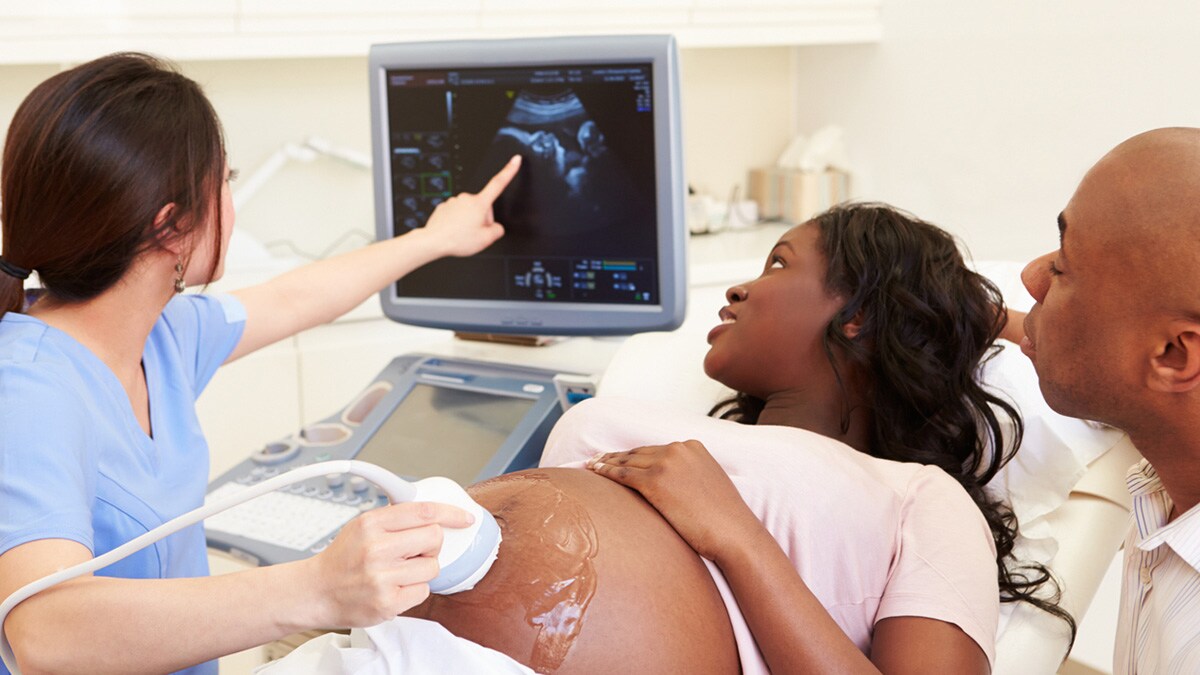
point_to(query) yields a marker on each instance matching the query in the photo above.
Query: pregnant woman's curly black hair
(928, 323)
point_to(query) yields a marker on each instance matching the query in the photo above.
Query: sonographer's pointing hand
(380, 564)
(464, 224)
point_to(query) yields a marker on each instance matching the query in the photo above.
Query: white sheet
(401, 646)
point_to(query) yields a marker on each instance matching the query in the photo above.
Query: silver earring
(179, 285)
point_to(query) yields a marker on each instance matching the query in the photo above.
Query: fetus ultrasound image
(586, 185)
(572, 183)
(586, 188)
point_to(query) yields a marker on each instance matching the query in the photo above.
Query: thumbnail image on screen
(579, 217)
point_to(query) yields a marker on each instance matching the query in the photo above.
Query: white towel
(400, 646)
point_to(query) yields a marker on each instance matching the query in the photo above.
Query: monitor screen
(440, 431)
(593, 221)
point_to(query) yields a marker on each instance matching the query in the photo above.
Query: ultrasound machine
(594, 245)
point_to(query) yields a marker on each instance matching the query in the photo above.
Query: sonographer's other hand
(381, 563)
(689, 488)
(464, 224)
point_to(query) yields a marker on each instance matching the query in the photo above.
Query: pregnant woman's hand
(689, 488)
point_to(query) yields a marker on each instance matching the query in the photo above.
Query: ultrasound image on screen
(572, 184)
(580, 217)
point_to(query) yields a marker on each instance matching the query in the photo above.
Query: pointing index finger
(501, 180)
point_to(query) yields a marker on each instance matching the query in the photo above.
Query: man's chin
(1059, 399)
(1028, 349)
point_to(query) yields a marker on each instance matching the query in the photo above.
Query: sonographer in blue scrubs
(75, 464)
(114, 189)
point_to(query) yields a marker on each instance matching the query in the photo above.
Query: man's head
(1115, 334)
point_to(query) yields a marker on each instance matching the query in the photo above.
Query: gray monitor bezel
(531, 317)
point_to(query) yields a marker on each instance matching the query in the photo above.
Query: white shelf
(72, 31)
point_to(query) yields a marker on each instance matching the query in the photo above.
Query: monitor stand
(504, 338)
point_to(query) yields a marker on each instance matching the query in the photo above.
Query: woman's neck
(829, 418)
(833, 407)
(115, 324)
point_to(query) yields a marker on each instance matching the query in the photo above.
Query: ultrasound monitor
(594, 231)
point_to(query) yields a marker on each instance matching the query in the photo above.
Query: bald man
(1115, 337)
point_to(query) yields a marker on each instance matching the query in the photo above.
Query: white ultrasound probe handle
(462, 570)
(467, 553)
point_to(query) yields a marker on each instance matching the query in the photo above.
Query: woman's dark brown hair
(928, 323)
(92, 155)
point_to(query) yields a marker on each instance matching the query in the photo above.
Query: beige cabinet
(68, 31)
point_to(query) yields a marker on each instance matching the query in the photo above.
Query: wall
(982, 117)
(15, 84)
(738, 112)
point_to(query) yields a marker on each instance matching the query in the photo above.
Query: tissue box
(795, 196)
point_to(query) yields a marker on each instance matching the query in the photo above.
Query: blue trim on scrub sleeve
(206, 330)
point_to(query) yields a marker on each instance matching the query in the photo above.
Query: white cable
(302, 152)
(348, 155)
(397, 489)
(251, 184)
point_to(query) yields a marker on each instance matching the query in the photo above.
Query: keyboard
(284, 519)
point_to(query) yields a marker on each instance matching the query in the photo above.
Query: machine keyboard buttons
(279, 518)
(276, 453)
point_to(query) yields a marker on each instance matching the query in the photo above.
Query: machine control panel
(421, 416)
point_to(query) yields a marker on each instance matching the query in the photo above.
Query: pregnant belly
(589, 579)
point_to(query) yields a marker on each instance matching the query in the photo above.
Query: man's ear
(1175, 365)
(166, 231)
(853, 327)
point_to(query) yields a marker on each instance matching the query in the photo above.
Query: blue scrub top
(75, 464)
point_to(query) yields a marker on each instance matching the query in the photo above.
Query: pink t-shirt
(871, 538)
